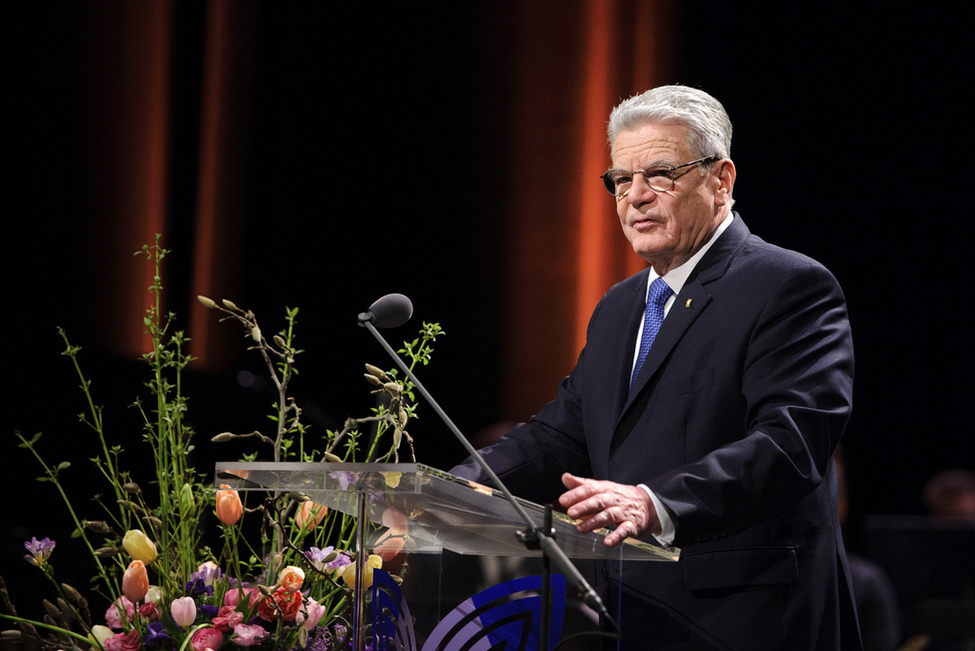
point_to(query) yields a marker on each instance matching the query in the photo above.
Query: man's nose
(640, 191)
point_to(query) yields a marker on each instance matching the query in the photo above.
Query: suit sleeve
(796, 385)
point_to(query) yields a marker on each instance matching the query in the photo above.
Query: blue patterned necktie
(652, 318)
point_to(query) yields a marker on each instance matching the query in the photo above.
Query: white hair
(707, 123)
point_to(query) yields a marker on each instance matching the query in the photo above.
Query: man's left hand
(601, 504)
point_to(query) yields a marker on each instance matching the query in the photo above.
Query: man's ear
(724, 181)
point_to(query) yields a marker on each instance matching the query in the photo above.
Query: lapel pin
(688, 303)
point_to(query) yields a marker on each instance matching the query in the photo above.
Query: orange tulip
(310, 515)
(135, 582)
(229, 507)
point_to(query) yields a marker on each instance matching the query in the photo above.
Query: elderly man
(704, 408)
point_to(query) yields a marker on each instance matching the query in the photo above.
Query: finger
(570, 481)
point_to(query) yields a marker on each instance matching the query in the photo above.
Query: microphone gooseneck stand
(394, 310)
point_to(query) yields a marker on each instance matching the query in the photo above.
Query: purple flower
(317, 557)
(208, 612)
(345, 478)
(39, 550)
(157, 634)
(196, 587)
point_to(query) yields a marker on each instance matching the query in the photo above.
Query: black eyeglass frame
(664, 172)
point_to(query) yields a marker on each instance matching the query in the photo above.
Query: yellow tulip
(139, 546)
(348, 572)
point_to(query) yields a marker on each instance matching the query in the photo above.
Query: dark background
(375, 162)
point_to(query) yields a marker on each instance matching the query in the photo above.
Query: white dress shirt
(675, 279)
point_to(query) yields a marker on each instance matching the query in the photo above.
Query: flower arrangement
(288, 589)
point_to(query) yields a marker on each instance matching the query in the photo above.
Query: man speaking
(705, 407)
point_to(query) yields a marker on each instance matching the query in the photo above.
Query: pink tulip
(206, 638)
(229, 506)
(315, 611)
(135, 581)
(183, 611)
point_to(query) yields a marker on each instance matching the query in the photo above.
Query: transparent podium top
(442, 511)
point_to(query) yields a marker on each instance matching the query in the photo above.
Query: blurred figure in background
(876, 601)
(951, 494)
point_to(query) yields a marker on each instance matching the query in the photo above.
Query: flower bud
(72, 594)
(106, 552)
(373, 380)
(51, 609)
(229, 305)
(132, 487)
(139, 546)
(222, 438)
(207, 302)
(393, 387)
(186, 501)
(256, 334)
(377, 372)
(99, 527)
(135, 581)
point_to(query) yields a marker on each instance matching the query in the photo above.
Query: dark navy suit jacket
(732, 423)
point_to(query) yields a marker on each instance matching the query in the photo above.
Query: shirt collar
(676, 277)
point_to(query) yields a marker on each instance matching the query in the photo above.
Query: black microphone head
(390, 311)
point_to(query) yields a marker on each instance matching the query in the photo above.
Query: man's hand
(604, 504)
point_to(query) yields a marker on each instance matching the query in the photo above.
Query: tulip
(229, 506)
(183, 611)
(206, 638)
(139, 546)
(155, 595)
(348, 572)
(99, 634)
(291, 578)
(310, 515)
(315, 611)
(135, 581)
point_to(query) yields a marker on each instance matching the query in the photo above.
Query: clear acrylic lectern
(441, 512)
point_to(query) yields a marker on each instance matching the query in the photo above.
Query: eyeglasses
(619, 182)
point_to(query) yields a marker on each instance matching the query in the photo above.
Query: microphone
(394, 310)
(390, 311)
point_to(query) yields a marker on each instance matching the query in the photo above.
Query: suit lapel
(692, 300)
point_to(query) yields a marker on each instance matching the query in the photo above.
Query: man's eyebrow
(648, 166)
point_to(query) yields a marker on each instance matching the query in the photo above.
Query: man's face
(666, 228)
